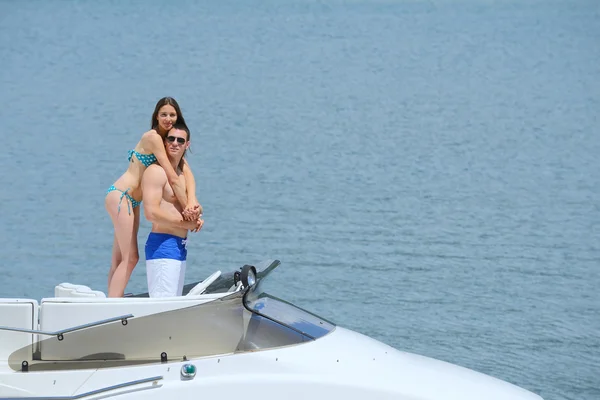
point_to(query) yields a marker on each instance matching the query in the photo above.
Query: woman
(127, 189)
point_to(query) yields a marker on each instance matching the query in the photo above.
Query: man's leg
(181, 278)
(163, 277)
(165, 259)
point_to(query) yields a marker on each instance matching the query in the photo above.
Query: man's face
(176, 143)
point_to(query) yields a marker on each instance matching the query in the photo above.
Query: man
(166, 250)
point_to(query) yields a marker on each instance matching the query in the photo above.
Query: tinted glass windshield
(259, 300)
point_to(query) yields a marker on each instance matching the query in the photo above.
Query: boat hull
(342, 364)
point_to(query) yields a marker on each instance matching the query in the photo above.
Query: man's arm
(153, 182)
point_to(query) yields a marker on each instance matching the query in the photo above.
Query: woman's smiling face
(167, 116)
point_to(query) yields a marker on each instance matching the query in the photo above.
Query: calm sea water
(427, 171)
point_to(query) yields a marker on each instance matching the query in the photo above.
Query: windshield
(261, 300)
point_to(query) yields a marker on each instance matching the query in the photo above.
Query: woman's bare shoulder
(151, 134)
(150, 137)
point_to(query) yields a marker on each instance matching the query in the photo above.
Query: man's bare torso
(170, 204)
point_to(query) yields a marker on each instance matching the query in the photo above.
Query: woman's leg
(126, 237)
(134, 255)
(115, 259)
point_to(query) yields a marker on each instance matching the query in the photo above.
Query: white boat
(227, 338)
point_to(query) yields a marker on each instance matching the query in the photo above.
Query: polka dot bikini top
(146, 159)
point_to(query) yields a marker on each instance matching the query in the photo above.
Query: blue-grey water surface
(427, 171)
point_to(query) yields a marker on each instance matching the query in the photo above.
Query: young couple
(159, 174)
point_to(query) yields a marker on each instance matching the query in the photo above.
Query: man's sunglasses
(171, 139)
